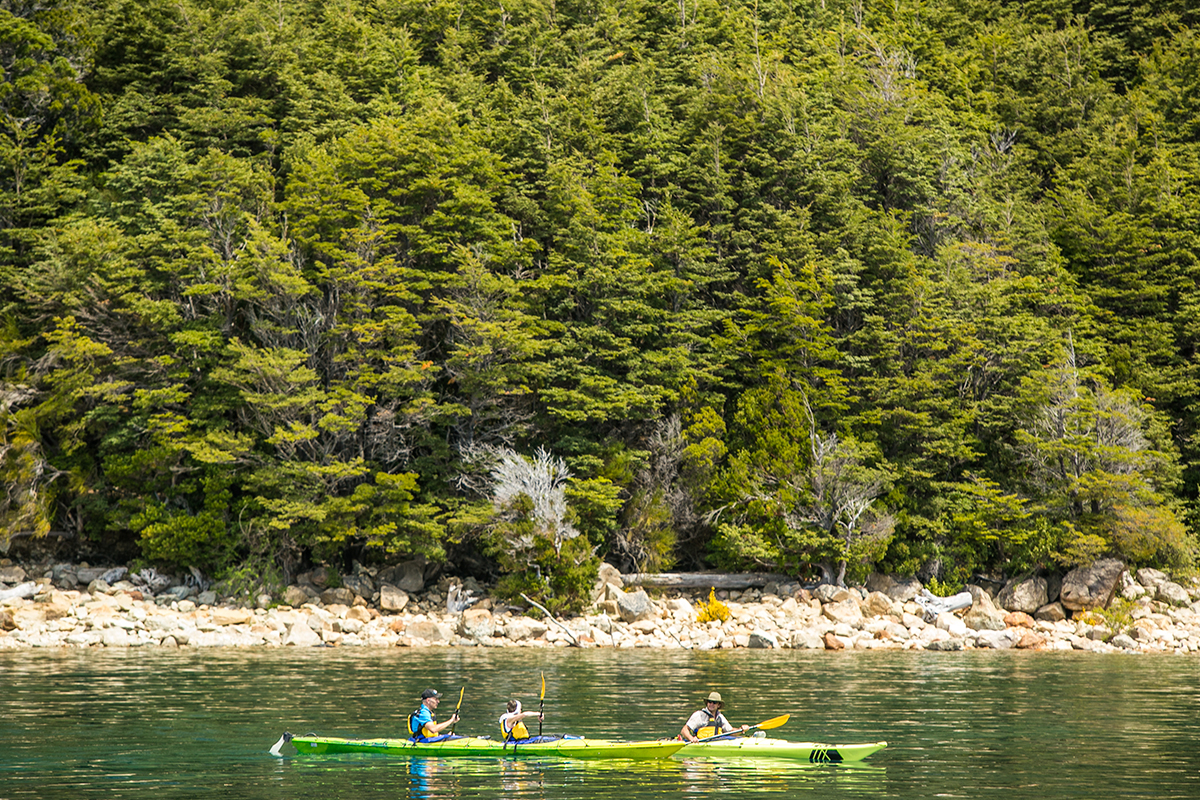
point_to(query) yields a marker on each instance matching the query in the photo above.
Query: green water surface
(198, 723)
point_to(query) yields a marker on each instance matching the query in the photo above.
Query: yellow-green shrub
(714, 609)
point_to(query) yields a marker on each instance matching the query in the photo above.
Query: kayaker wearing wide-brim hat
(421, 724)
(708, 721)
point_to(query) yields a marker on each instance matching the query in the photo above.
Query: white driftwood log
(22, 590)
(934, 605)
(704, 580)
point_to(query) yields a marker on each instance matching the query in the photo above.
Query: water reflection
(188, 724)
(521, 777)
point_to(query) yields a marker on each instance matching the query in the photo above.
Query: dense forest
(816, 286)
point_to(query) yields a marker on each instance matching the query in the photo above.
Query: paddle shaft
(457, 707)
(542, 704)
(765, 725)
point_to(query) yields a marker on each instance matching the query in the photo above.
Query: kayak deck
(473, 746)
(758, 747)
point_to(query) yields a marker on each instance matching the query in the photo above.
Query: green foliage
(944, 588)
(801, 287)
(247, 581)
(560, 580)
(595, 503)
(1117, 616)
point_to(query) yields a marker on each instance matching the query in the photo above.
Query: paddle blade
(774, 722)
(543, 686)
(275, 751)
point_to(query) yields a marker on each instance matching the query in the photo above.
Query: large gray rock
(361, 585)
(296, 596)
(12, 574)
(952, 624)
(1092, 586)
(476, 624)
(983, 614)
(431, 631)
(86, 575)
(162, 622)
(301, 635)
(1023, 595)
(65, 577)
(518, 629)
(232, 616)
(409, 576)
(1051, 612)
(829, 593)
(340, 596)
(607, 573)
(847, 611)
(763, 640)
(634, 606)
(115, 637)
(994, 640)
(897, 588)
(878, 604)
(1151, 578)
(1173, 593)
(946, 645)
(1123, 641)
(392, 598)
(807, 639)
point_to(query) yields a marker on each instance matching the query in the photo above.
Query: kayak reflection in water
(708, 721)
(422, 724)
(512, 724)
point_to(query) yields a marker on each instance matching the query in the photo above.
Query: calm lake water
(198, 723)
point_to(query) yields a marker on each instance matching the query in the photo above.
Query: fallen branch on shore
(705, 580)
(549, 616)
(22, 590)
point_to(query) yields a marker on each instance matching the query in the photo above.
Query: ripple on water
(188, 723)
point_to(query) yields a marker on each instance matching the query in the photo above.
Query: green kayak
(760, 747)
(474, 746)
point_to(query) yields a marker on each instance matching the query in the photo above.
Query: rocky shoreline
(1101, 608)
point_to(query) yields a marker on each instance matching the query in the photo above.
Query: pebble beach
(73, 606)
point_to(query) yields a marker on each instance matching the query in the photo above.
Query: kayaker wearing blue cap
(708, 721)
(421, 724)
(513, 723)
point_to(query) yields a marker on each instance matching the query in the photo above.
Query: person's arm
(686, 732)
(728, 727)
(435, 728)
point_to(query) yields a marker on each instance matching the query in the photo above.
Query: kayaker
(708, 721)
(512, 724)
(422, 724)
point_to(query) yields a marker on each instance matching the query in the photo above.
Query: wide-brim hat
(714, 697)
(428, 693)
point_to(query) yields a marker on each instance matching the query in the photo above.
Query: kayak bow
(474, 746)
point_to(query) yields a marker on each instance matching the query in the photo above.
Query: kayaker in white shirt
(513, 723)
(708, 721)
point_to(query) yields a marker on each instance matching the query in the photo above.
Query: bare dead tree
(543, 480)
